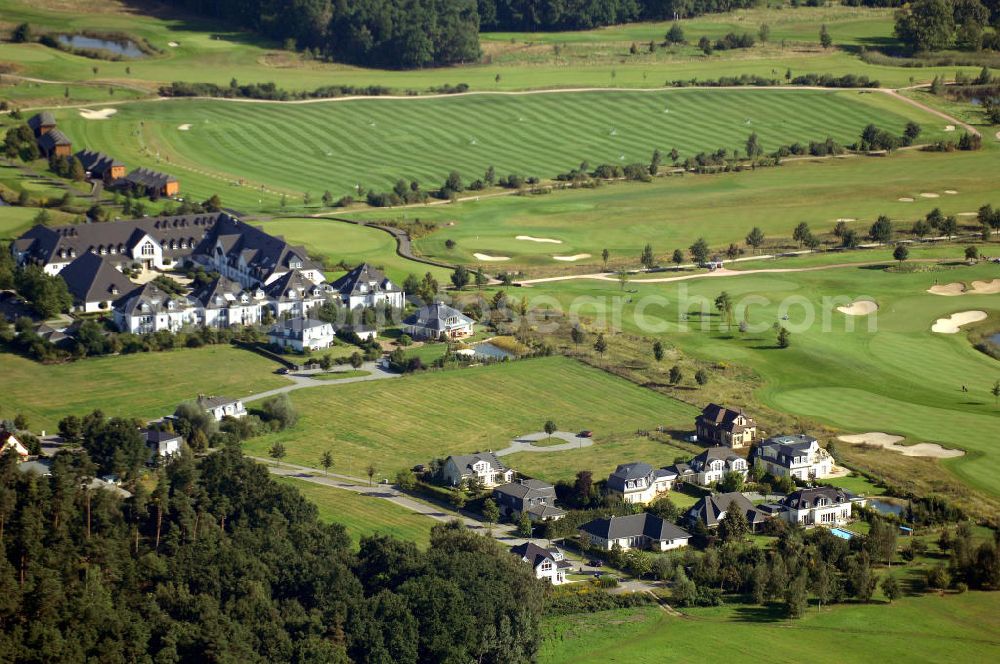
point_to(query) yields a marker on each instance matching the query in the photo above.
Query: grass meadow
(673, 212)
(930, 628)
(252, 153)
(900, 378)
(363, 515)
(145, 385)
(396, 424)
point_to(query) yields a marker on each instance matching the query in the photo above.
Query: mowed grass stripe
(315, 147)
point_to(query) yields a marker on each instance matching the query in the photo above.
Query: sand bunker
(538, 239)
(846, 219)
(905, 199)
(173, 44)
(183, 127)
(954, 288)
(487, 257)
(998, 135)
(950, 192)
(930, 195)
(574, 257)
(968, 214)
(888, 441)
(949, 127)
(986, 287)
(102, 114)
(951, 324)
(859, 308)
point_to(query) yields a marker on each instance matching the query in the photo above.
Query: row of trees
(537, 15)
(935, 25)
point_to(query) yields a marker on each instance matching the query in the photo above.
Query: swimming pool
(841, 533)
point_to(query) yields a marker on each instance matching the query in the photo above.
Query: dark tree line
(380, 33)
(532, 15)
(217, 562)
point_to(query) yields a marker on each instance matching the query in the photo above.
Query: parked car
(595, 563)
(283, 371)
(586, 433)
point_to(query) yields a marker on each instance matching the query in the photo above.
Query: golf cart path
(527, 442)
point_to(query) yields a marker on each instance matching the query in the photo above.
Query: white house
(149, 309)
(482, 465)
(549, 564)
(162, 444)
(436, 320)
(712, 509)
(367, 287)
(713, 463)
(636, 531)
(219, 407)
(223, 303)
(797, 456)
(8, 441)
(301, 334)
(640, 483)
(819, 506)
(94, 283)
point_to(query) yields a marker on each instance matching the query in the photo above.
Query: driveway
(302, 380)
(527, 442)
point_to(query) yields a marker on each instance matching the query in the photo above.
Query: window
(147, 249)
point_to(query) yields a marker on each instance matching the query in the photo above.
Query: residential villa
(818, 506)
(94, 283)
(639, 483)
(223, 303)
(220, 407)
(636, 531)
(535, 498)
(484, 466)
(149, 309)
(549, 564)
(367, 287)
(8, 441)
(712, 464)
(301, 334)
(719, 425)
(711, 510)
(162, 444)
(438, 320)
(797, 456)
(294, 294)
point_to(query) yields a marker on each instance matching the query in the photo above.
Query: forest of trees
(421, 33)
(217, 562)
(935, 25)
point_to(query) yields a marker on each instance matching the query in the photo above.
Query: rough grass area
(919, 629)
(399, 423)
(337, 145)
(146, 385)
(364, 515)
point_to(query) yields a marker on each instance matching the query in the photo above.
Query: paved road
(527, 443)
(303, 380)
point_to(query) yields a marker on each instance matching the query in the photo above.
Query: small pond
(886, 508)
(124, 47)
(486, 349)
(996, 338)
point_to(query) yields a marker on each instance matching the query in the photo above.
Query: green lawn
(364, 515)
(341, 375)
(337, 145)
(399, 423)
(898, 377)
(145, 385)
(673, 212)
(918, 629)
(15, 220)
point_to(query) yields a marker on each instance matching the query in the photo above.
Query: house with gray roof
(549, 563)
(42, 123)
(639, 483)
(223, 303)
(484, 466)
(711, 510)
(818, 506)
(162, 444)
(367, 287)
(100, 166)
(723, 426)
(94, 283)
(148, 182)
(438, 320)
(220, 407)
(712, 464)
(294, 294)
(635, 531)
(54, 143)
(535, 498)
(797, 456)
(149, 308)
(301, 334)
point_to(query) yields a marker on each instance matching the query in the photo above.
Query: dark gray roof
(709, 508)
(808, 498)
(264, 254)
(49, 140)
(546, 511)
(157, 436)
(39, 120)
(435, 317)
(629, 472)
(150, 299)
(523, 488)
(364, 279)
(213, 402)
(218, 293)
(784, 448)
(533, 554)
(633, 525)
(283, 287)
(90, 278)
(149, 179)
(97, 163)
(711, 454)
(466, 461)
(721, 417)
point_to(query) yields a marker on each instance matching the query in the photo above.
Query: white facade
(220, 408)
(305, 335)
(803, 461)
(460, 468)
(715, 469)
(819, 507)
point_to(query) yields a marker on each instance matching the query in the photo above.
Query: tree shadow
(770, 613)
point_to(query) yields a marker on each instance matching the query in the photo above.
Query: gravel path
(527, 443)
(303, 380)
